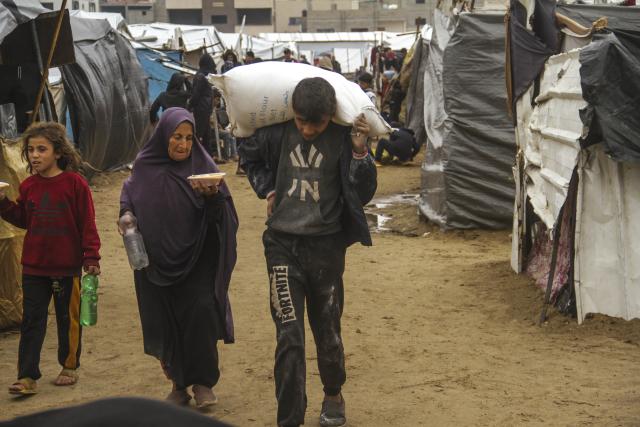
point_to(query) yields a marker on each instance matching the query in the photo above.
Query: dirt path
(437, 329)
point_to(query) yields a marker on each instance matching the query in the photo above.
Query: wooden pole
(45, 72)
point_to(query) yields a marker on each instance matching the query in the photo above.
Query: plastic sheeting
(106, 93)
(415, 92)
(467, 173)
(607, 272)
(158, 75)
(12, 15)
(12, 170)
(610, 84)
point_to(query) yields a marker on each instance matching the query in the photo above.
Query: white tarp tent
(606, 276)
(116, 20)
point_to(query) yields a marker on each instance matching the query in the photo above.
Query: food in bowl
(208, 178)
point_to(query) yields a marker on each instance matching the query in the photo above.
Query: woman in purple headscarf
(190, 236)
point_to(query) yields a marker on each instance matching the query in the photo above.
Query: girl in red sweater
(55, 207)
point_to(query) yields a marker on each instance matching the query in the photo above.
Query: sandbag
(259, 95)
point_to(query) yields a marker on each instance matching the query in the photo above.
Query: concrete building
(86, 5)
(133, 11)
(369, 15)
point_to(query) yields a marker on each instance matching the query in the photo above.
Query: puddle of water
(377, 221)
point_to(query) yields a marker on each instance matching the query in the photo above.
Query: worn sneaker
(333, 414)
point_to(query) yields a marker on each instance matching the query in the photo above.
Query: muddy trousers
(305, 268)
(37, 292)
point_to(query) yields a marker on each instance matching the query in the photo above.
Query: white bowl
(208, 178)
(4, 184)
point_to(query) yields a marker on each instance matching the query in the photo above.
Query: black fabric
(106, 92)
(260, 156)
(618, 18)
(610, 66)
(20, 87)
(167, 100)
(37, 292)
(120, 411)
(201, 104)
(181, 323)
(479, 149)
(529, 50)
(308, 195)
(305, 269)
(401, 144)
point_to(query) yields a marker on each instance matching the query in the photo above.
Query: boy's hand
(92, 269)
(359, 134)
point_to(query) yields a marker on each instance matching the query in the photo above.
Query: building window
(218, 19)
(144, 13)
(75, 5)
(92, 7)
(359, 30)
(185, 16)
(256, 16)
(219, 4)
(420, 1)
(295, 20)
(326, 30)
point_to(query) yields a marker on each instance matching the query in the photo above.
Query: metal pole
(45, 71)
(36, 43)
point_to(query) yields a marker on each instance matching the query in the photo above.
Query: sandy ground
(437, 329)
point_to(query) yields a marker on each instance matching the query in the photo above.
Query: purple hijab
(171, 216)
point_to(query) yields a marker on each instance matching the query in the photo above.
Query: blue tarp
(157, 73)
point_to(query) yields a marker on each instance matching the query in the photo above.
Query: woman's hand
(92, 269)
(204, 189)
(359, 134)
(124, 222)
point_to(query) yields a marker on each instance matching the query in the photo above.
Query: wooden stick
(45, 73)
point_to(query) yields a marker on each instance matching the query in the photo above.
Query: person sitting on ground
(316, 176)
(401, 144)
(189, 229)
(288, 56)
(176, 95)
(365, 80)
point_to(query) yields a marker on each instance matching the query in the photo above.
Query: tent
(467, 179)
(574, 227)
(106, 92)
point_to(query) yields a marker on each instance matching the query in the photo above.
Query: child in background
(55, 207)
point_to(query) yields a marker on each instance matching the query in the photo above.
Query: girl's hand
(92, 269)
(359, 134)
(204, 189)
(2, 194)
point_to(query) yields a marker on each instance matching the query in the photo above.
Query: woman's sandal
(66, 373)
(204, 396)
(178, 397)
(24, 386)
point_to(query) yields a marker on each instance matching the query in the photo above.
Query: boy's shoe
(378, 164)
(333, 413)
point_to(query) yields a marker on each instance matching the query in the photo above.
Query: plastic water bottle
(89, 300)
(133, 242)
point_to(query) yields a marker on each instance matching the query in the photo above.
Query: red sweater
(60, 221)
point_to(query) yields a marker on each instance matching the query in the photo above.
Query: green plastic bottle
(89, 300)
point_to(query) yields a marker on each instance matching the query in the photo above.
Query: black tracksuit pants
(36, 295)
(305, 268)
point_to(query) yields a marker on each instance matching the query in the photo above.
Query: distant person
(401, 58)
(56, 208)
(189, 229)
(230, 61)
(201, 101)
(365, 80)
(288, 56)
(250, 58)
(396, 96)
(230, 151)
(303, 59)
(176, 95)
(335, 65)
(401, 145)
(324, 62)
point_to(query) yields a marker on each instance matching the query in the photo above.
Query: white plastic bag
(259, 95)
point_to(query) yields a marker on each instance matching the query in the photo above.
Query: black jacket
(259, 157)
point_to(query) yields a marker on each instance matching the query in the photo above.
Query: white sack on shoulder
(259, 95)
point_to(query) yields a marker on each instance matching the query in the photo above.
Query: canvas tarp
(158, 75)
(106, 92)
(467, 179)
(12, 171)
